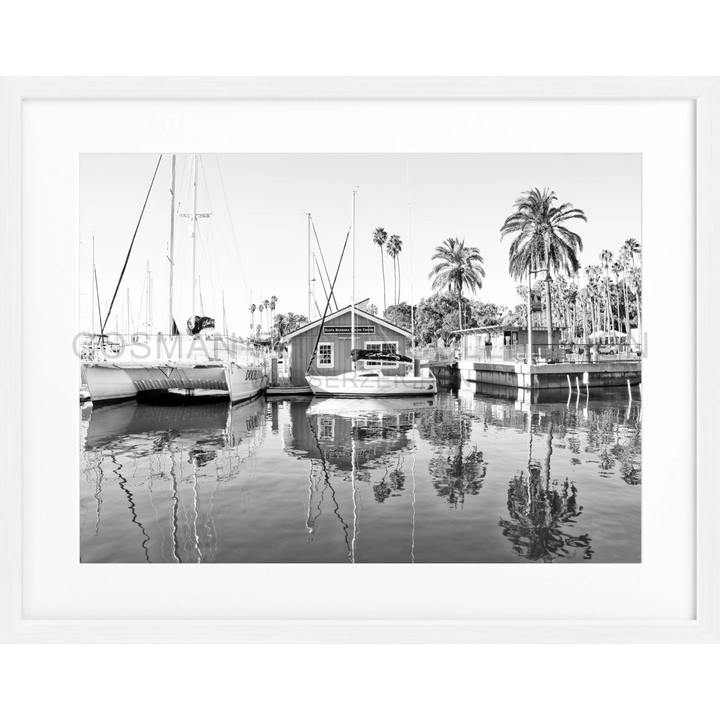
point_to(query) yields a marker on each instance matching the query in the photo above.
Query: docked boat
(368, 380)
(177, 367)
(371, 382)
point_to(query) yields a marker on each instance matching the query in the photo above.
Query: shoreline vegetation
(582, 296)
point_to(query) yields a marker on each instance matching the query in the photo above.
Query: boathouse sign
(346, 330)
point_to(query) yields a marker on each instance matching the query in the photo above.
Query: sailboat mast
(352, 301)
(171, 256)
(92, 290)
(194, 232)
(308, 270)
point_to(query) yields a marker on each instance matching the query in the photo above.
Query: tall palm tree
(253, 308)
(380, 238)
(266, 305)
(632, 246)
(393, 247)
(606, 258)
(617, 269)
(273, 305)
(458, 267)
(624, 260)
(593, 283)
(542, 240)
(635, 288)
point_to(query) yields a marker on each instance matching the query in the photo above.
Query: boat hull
(114, 382)
(370, 386)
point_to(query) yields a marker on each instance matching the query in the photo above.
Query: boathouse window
(325, 355)
(384, 347)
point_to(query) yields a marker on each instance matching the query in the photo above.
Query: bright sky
(255, 243)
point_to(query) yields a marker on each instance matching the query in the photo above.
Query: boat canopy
(379, 356)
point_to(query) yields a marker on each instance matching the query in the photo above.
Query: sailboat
(370, 381)
(173, 366)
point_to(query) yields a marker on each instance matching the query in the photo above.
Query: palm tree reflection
(542, 511)
(392, 484)
(455, 472)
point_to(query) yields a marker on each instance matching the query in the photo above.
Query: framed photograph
(369, 360)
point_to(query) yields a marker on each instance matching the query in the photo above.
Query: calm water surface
(474, 479)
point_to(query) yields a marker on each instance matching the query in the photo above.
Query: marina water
(447, 479)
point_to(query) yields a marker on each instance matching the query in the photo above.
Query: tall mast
(352, 301)
(92, 290)
(194, 218)
(147, 298)
(308, 270)
(194, 232)
(171, 257)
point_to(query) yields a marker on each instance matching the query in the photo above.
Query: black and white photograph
(360, 358)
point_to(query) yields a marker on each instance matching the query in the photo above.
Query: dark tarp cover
(197, 323)
(379, 356)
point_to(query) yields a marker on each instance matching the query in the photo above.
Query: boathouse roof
(338, 313)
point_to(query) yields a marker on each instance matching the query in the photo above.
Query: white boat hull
(111, 382)
(370, 385)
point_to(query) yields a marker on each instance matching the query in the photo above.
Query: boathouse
(504, 343)
(334, 344)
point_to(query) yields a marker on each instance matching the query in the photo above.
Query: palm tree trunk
(627, 309)
(382, 262)
(398, 266)
(548, 301)
(637, 299)
(395, 280)
(573, 337)
(460, 308)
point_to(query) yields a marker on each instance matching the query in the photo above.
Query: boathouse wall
(333, 357)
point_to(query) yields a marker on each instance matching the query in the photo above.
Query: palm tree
(624, 258)
(606, 258)
(593, 280)
(273, 304)
(635, 287)
(459, 267)
(617, 269)
(632, 247)
(541, 239)
(380, 238)
(253, 308)
(394, 246)
(266, 306)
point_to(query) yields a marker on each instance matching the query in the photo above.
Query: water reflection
(477, 478)
(543, 509)
(455, 471)
(169, 463)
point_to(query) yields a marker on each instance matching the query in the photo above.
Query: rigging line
(412, 292)
(142, 298)
(322, 281)
(232, 260)
(142, 212)
(212, 242)
(322, 257)
(232, 224)
(203, 243)
(97, 292)
(327, 306)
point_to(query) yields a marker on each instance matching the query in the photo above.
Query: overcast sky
(254, 245)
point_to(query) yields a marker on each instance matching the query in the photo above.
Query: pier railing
(428, 355)
(543, 353)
